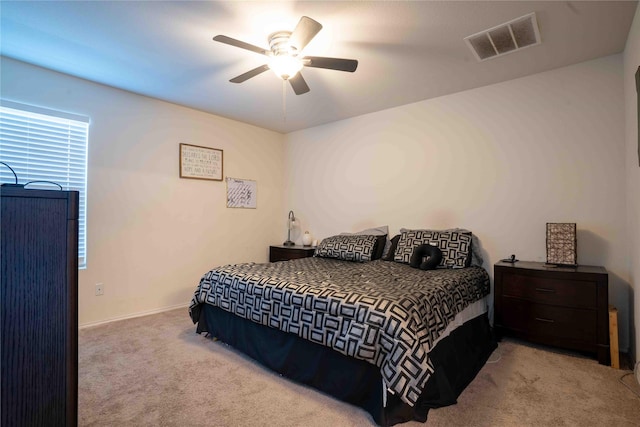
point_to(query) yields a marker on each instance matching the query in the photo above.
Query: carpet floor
(156, 371)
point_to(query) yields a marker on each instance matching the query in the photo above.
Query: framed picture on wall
(198, 162)
(242, 193)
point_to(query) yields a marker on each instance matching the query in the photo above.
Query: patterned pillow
(380, 233)
(455, 246)
(348, 247)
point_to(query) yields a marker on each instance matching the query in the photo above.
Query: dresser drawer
(567, 293)
(549, 321)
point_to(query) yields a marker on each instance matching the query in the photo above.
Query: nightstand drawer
(286, 253)
(549, 321)
(568, 293)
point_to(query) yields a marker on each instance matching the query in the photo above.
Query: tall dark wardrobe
(39, 258)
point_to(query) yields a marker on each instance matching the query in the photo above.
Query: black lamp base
(288, 243)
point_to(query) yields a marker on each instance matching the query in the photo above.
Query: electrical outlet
(99, 289)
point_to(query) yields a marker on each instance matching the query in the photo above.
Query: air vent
(505, 38)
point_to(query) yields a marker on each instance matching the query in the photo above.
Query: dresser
(39, 293)
(286, 253)
(556, 306)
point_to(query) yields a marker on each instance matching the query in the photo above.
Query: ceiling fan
(284, 55)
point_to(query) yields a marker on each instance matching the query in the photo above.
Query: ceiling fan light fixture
(285, 66)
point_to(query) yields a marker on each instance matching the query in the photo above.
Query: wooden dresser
(557, 306)
(39, 246)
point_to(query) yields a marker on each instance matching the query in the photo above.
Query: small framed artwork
(198, 162)
(242, 193)
(561, 244)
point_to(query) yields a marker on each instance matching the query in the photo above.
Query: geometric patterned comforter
(385, 313)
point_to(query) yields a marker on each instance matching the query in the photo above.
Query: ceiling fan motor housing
(284, 57)
(280, 45)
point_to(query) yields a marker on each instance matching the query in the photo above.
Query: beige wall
(501, 160)
(631, 64)
(151, 235)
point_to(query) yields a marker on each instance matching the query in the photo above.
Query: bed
(370, 330)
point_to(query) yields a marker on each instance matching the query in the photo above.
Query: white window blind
(46, 145)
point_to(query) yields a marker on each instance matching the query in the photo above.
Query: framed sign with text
(198, 162)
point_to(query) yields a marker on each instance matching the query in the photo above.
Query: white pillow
(375, 231)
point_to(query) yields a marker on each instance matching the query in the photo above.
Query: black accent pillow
(378, 249)
(433, 256)
(392, 249)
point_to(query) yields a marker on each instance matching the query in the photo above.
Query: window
(46, 145)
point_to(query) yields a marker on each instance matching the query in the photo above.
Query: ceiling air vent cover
(505, 38)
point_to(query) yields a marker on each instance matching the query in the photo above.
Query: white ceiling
(407, 51)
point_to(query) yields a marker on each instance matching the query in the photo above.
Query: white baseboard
(132, 316)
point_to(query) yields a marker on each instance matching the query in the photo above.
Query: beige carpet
(156, 371)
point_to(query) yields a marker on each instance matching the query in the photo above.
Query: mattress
(473, 310)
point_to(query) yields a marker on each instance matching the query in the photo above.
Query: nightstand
(286, 253)
(559, 306)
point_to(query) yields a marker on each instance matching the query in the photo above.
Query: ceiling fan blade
(240, 44)
(252, 73)
(298, 84)
(339, 64)
(306, 29)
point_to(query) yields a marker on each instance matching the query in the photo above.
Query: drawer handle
(540, 319)
(546, 290)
